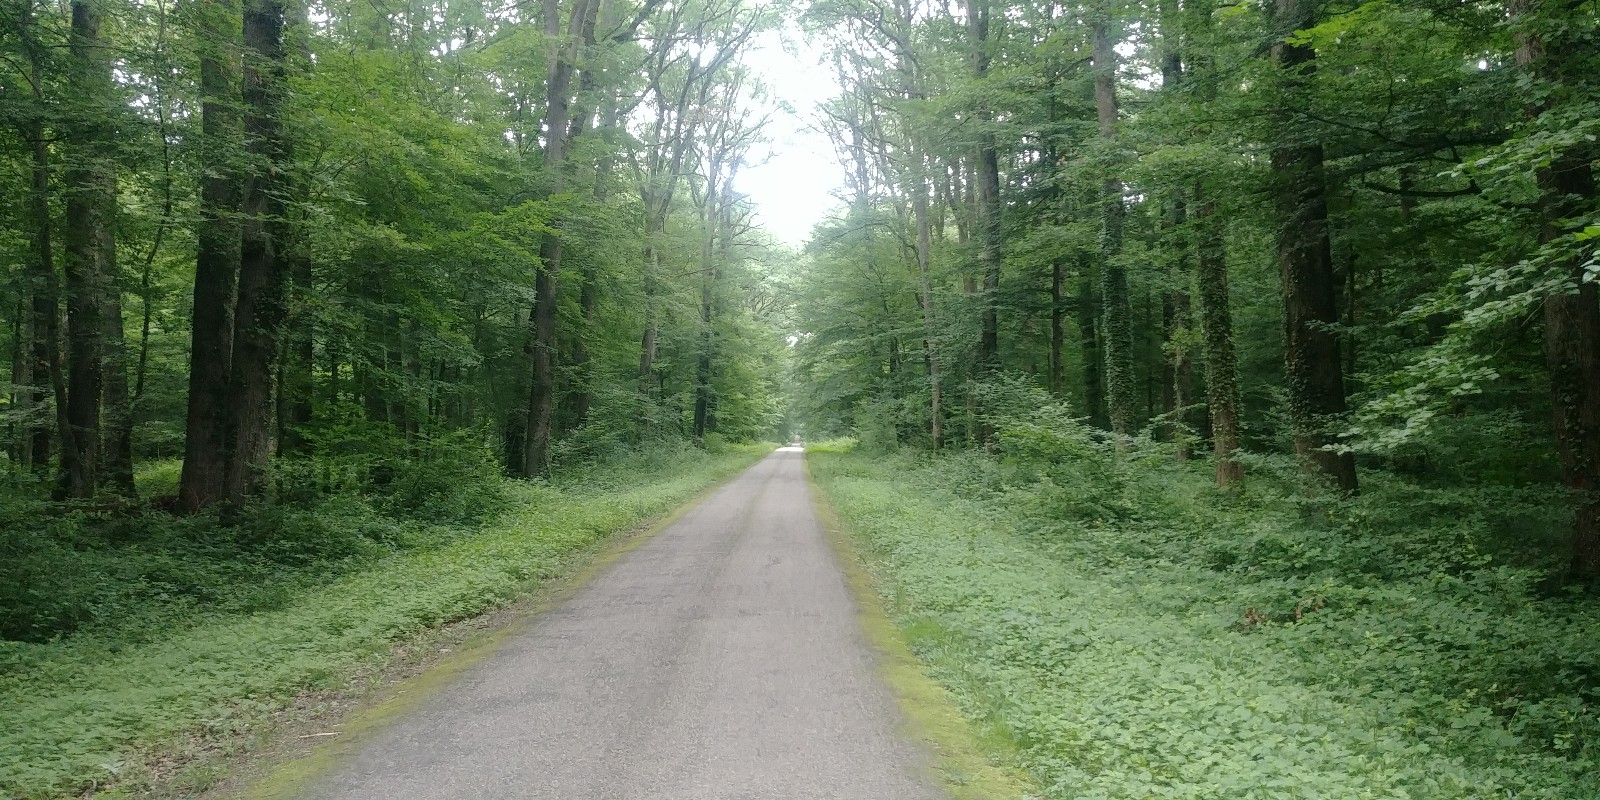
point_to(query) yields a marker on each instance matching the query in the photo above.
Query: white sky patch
(792, 187)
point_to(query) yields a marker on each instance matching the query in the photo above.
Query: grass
(972, 763)
(103, 706)
(1166, 643)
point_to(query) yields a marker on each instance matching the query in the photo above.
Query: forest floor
(1116, 629)
(172, 699)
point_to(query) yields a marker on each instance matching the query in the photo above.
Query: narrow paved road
(722, 659)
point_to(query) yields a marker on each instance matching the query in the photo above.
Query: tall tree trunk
(44, 306)
(90, 265)
(22, 392)
(930, 324)
(1310, 289)
(1216, 343)
(1571, 317)
(589, 292)
(991, 252)
(1120, 382)
(263, 279)
(542, 391)
(216, 274)
(708, 278)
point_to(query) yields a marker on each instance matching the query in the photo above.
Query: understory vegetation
(1136, 634)
(181, 627)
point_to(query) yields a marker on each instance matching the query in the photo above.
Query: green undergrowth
(1127, 633)
(220, 626)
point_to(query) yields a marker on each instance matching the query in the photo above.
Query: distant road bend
(720, 660)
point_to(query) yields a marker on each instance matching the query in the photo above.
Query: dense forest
(1361, 233)
(1296, 300)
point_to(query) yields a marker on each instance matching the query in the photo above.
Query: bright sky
(792, 189)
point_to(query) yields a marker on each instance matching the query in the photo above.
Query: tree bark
(930, 324)
(44, 305)
(90, 264)
(216, 275)
(263, 280)
(1567, 190)
(1216, 331)
(544, 346)
(1113, 275)
(1312, 363)
(991, 253)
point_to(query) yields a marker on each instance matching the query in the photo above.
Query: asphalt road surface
(720, 660)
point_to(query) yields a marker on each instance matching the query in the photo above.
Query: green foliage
(1155, 639)
(188, 629)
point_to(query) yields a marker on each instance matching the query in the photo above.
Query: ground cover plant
(184, 627)
(1133, 634)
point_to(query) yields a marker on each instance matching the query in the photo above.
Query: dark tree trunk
(90, 266)
(263, 279)
(216, 275)
(1118, 312)
(991, 246)
(544, 345)
(44, 321)
(1313, 367)
(1216, 330)
(930, 326)
(1572, 317)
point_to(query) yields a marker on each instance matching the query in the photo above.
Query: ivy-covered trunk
(90, 265)
(1216, 342)
(1313, 370)
(990, 235)
(1118, 339)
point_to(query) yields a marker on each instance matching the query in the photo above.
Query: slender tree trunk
(1120, 381)
(22, 392)
(90, 249)
(263, 279)
(1216, 330)
(930, 324)
(991, 251)
(1310, 289)
(589, 293)
(1058, 327)
(1089, 332)
(708, 277)
(542, 391)
(216, 275)
(1567, 191)
(44, 320)
(116, 473)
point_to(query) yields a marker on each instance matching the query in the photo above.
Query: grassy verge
(972, 763)
(1119, 656)
(103, 706)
